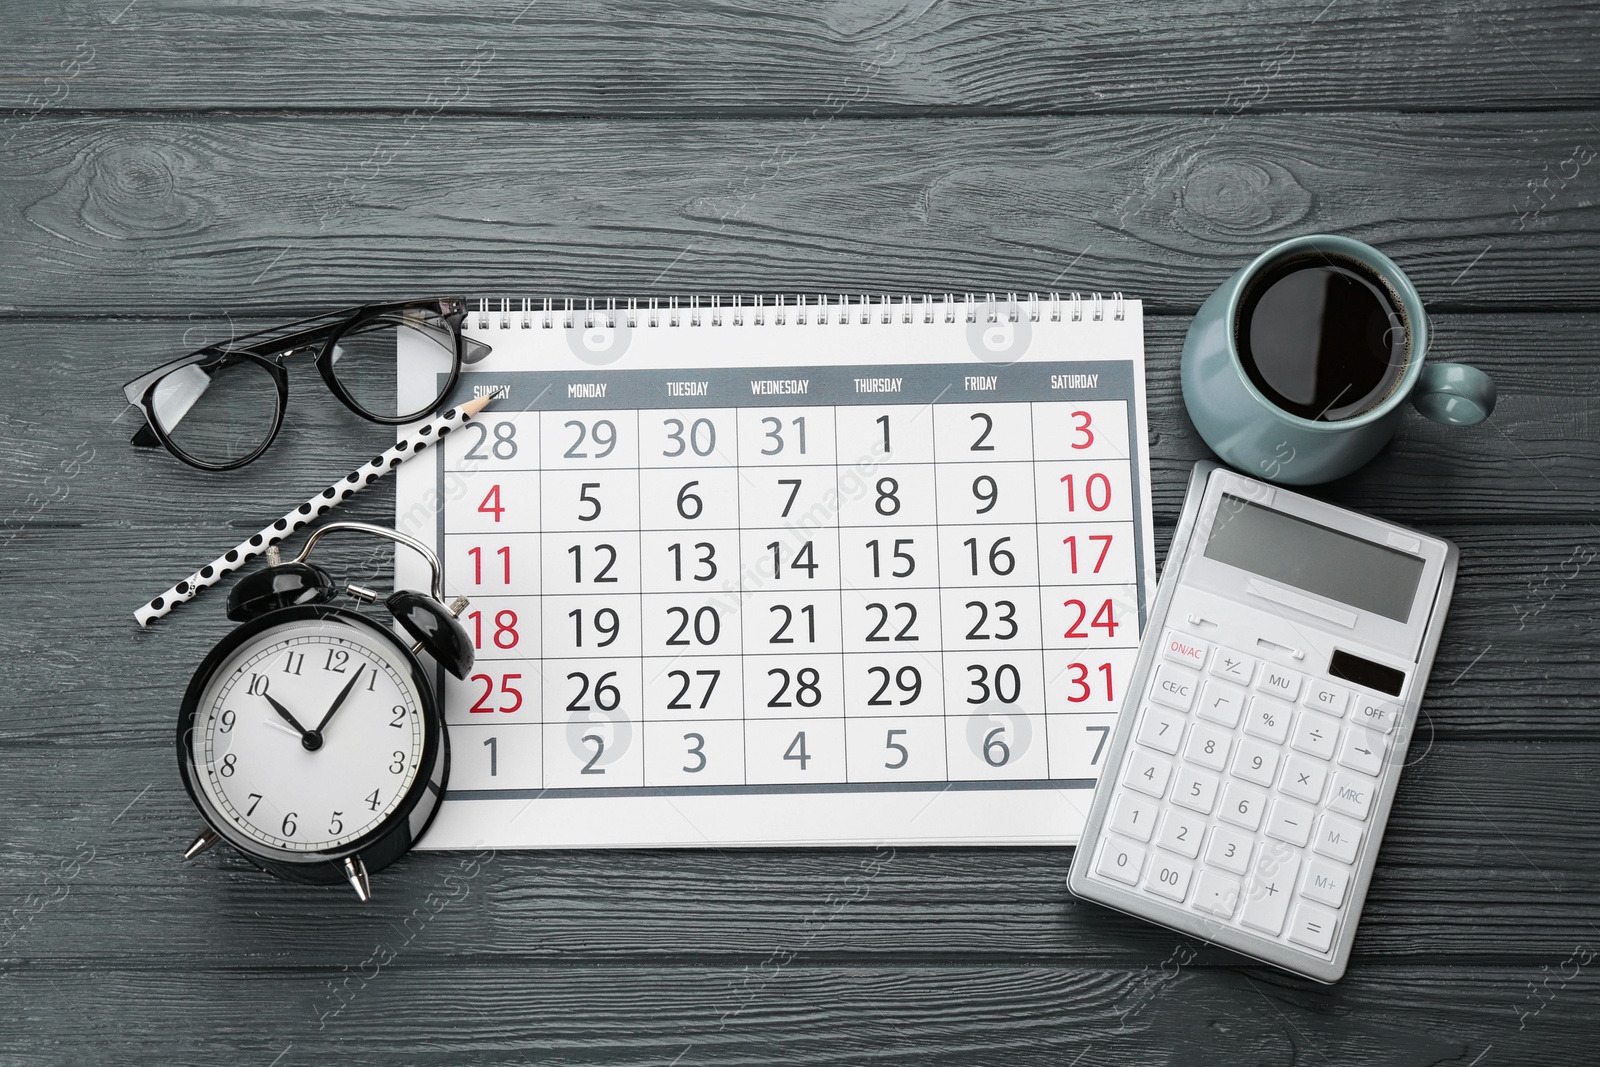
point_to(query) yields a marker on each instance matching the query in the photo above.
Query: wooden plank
(97, 877)
(219, 216)
(655, 58)
(1533, 462)
(1413, 1015)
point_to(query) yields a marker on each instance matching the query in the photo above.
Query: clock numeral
(399, 763)
(372, 800)
(399, 716)
(226, 770)
(258, 685)
(338, 659)
(227, 722)
(336, 826)
(255, 798)
(289, 824)
(293, 662)
(372, 682)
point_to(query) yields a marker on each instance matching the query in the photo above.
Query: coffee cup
(1297, 369)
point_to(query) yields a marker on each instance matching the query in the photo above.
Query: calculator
(1246, 787)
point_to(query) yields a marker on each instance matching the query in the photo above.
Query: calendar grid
(1033, 445)
(739, 717)
(838, 547)
(938, 581)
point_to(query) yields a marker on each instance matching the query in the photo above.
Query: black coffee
(1322, 337)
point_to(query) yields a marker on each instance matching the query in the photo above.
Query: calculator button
(1161, 729)
(1242, 805)
(1181, 832)
(1338, 838)
(1379, 715)
(1255, 762)
(1120, 861)
(1352, 795)
(1290, 821)
(1278, 682)
(1196, 790)
(1363, 751)
(1174, 687)
(1233, 666)
(1304, 777)
(1134, 816)
(1221, 702)
(1315, 734)
(1216, 894)
(1268, 719)
(1207, 746)
(1181, 648)
(1147, 772)
(1168, 877)
(1326, 697)
(1230, 850)
(1313, 926)
(1325, 882)
(1267, 900)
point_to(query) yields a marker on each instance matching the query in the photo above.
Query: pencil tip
(477, 404)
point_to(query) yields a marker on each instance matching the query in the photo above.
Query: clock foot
(201, 843)
(356, 872)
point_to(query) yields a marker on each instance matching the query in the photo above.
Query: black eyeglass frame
(270, 347)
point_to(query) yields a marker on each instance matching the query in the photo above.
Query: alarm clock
(312, 738)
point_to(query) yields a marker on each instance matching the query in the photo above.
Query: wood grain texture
(222, 215)
(885, 57)
(1447, 889)
(1533, 462)
(1409, 1015)
(207, 162)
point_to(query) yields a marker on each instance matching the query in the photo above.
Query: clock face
(308, 735)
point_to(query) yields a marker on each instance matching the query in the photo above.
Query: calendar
(788, 573)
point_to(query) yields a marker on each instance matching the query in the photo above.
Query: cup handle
(1454, 394)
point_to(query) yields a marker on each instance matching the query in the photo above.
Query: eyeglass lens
(367, 359)
(218, 411)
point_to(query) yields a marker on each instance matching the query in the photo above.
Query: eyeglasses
(220, 407)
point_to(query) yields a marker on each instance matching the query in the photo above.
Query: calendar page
(786, 580)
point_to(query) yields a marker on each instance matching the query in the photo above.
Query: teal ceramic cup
(1253, 434)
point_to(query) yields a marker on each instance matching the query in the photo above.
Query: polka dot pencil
(329, 498)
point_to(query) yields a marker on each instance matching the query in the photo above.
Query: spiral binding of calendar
(800, 309)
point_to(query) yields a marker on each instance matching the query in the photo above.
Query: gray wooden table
(172, 171)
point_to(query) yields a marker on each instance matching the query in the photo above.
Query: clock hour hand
(338, 700)
(287, 717)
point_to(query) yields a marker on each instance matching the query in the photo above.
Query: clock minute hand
(338, 700)
(284, 713)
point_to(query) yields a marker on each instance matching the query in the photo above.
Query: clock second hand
(288, 717)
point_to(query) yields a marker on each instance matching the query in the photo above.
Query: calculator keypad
(1246, 790)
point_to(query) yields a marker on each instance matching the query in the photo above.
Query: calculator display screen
(1314, 558)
